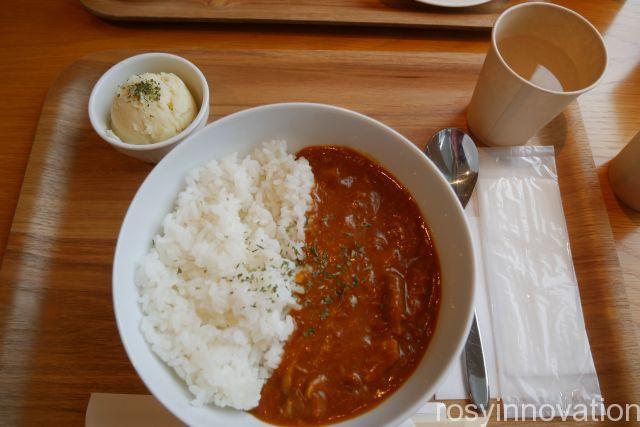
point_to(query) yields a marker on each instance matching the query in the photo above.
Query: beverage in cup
(542, 57)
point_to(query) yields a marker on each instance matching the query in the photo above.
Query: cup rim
(581, 18)
(156, 145)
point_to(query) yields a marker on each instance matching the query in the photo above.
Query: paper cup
(624, 173)
(508, 108)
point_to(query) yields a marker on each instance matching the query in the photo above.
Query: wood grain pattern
(392, 13)
(29, 38)
(59, 337)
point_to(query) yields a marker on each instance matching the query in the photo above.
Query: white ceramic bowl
(301, 125)
(105, 89)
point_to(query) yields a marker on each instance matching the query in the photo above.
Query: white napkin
(528, 307)
(454, 387)
(134, 410)
(127, 410)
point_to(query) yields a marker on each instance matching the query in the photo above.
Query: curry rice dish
(330, 298)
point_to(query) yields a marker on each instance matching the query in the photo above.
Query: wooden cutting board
(404, 13)
(60, 341)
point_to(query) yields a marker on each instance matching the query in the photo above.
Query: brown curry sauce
(372, 290)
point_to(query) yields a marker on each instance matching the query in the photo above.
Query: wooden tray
(404, 13)
(60, 341)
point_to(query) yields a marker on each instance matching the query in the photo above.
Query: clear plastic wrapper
(542, 352)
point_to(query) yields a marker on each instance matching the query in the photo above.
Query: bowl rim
(202, 111)
(466, 321)
(447, 4)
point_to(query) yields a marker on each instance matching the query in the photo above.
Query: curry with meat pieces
(371, 281)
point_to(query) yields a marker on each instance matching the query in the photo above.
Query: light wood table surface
(38, 39)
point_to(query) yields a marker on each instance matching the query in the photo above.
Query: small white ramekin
(104, 92)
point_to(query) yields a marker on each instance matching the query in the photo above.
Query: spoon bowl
(456, 156)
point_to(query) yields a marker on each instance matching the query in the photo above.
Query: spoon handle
(455, 154)
(476, 371)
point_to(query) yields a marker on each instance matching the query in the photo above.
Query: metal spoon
(456, 155)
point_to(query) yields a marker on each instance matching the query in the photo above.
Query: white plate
(454, 3)
(301, 125)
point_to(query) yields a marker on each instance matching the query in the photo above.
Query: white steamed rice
(217, 286)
